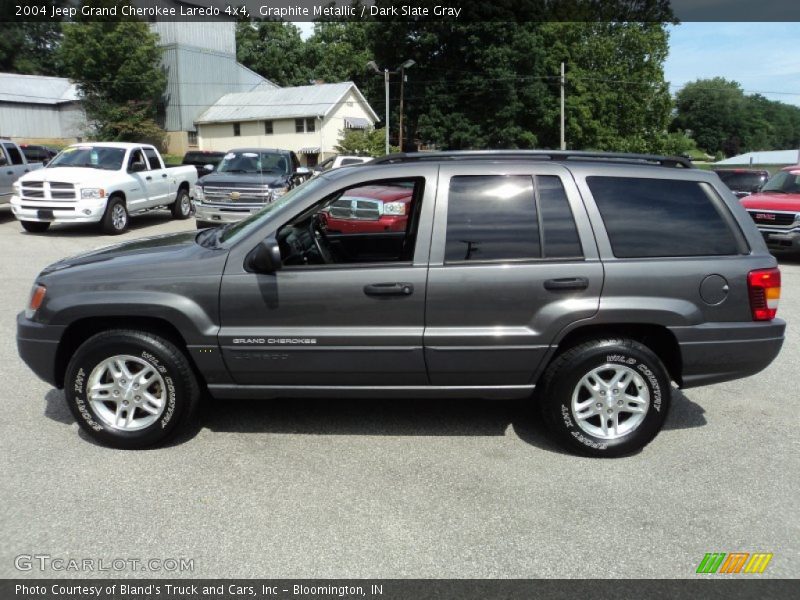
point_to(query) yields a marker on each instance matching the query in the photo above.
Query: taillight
(764, 286)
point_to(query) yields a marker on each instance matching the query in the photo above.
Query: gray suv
(586, 282)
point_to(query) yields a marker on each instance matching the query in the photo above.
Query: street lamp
(386, 72)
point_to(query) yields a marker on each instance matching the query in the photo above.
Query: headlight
(90, 193)
(37, 297)
(279, 191)
(199, 194)
(394, 208)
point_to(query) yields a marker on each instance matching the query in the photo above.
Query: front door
(513, 262)
(341, 312)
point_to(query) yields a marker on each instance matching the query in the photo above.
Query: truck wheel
(182, 207)
(35, 226)
(115, 220)
(130, 389)
(605, 397)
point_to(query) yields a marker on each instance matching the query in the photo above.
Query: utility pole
(563, 141)
(386, 83)
(402, 84)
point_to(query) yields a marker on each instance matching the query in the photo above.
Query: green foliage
(724, 120)
(30, 48)
(363, 142)
(274, 50)
(116, 65)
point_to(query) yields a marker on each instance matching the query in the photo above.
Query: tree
(30, 47)
(714, 110)
(274, 50)
(363, 142)
(116, 65)
(616, 96)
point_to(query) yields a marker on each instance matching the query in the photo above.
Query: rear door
(157, 178)
(513, 261)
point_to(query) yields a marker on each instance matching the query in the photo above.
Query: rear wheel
(182, 207)
(605, 398)
(130, 389)
(115, 220)
(35, 226)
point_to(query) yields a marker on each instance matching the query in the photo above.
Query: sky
(762, 57)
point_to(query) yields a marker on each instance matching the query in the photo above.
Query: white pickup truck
(102, 183)
(13, 164)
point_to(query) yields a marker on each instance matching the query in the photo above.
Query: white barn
(308, 119)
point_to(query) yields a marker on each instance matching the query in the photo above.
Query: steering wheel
(317, 231)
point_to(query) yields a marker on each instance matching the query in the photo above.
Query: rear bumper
(716, 352)
(37, 345)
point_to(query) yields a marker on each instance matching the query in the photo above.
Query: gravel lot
(379, 489)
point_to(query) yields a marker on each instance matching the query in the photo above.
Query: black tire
(182, 207)
(561, 381)
(115, 220)
(35, 226)
(174, 383)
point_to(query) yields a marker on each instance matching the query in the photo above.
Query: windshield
(262, 163)
(783, 182)
(93, 157)
(749, 182)
(243, 228)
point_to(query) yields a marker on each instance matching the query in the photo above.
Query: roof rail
(556, 155)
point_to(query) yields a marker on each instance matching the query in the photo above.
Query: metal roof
(36, 89)
(769, 157)
(282, 103)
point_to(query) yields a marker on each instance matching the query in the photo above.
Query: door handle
(149, 178)
(9, 172)
(389, 289)
(567, 283)
(164, 175)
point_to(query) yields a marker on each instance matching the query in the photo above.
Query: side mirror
(208, 168)
(302, 172)
(137, 167)
(264, 258)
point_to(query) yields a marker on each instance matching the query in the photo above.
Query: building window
(298, 126)
(237, 129)
(192, 135)
(267, 127)
(310, 125)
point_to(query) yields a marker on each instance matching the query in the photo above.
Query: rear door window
(663, 217)
(14, 155)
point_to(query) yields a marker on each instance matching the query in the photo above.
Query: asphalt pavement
(339, 488)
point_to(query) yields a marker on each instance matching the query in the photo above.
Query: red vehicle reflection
(369, 209)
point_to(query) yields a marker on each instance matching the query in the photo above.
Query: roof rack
(556, 155)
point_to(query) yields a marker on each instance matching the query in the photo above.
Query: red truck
(370, 209)
(776, 209)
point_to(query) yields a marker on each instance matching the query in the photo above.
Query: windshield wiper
(232, 171)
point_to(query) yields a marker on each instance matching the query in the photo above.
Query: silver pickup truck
(13, 165)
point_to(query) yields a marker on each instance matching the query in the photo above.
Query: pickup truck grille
(52, 190)
(779, 219)
(224, 195)
(361, 210)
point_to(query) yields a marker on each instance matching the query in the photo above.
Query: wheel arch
(656, 337)
(81, 330)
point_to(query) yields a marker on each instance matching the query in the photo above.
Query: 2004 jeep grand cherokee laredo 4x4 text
(587, 282)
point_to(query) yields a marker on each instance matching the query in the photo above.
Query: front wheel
(35, 226)
(130, 389)
(605, 398)
(115, 219)
(182, 207)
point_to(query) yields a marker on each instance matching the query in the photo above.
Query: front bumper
(781, 239)
(84, 211)
(37, 345)
(224, 213)
(716, 352)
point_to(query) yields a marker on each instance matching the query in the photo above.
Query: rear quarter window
(663, 217)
